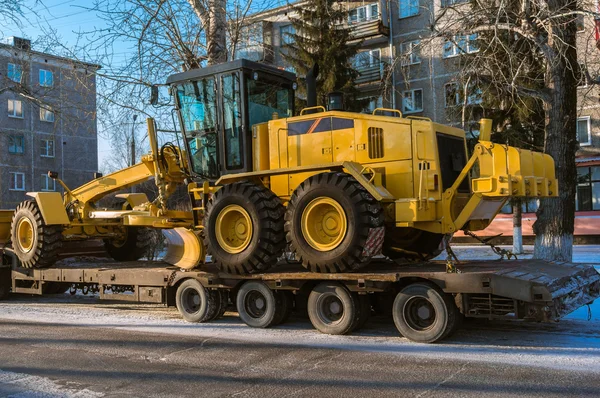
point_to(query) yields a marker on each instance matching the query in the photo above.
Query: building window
(287, 33)
(410, 53)
(588, 188)
(15, 108)
(17, 181)
(367, 59)
(15, 72)
(48, 184)
(46, 115)
(16, 144)
(452, 97)
(460, 44)
(46, 78)
(372, 104)
(584, 136)
(412, 101)
(408, 8)
(448, 3)
(47, 148)
(474, 94)
(365, 13)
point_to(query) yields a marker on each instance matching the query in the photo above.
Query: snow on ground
(21, 385)
(572, 344)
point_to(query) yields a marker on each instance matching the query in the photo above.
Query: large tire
(333, 309)
(328, 221)
(36, 244)
(423, 313)
(244, 228)
(259, 306)
(409, 244)
(195, 303)
(132, 247)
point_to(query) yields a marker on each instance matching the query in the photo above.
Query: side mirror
(154, 95)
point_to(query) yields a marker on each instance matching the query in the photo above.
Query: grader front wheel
(36, 244)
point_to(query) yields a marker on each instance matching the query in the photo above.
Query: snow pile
(21, 385)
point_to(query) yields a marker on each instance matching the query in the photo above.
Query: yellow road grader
(332, 187)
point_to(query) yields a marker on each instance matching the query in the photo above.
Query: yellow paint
(185, 249)
(324, 224)
(5, 219)
(51, 206)
(25, 235)
(260, 147)
(233, 229)
(133, 199)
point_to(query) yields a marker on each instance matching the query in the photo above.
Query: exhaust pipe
(311, 86)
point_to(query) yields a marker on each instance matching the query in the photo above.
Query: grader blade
(185, 249)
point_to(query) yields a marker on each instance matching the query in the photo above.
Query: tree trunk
(556, 216)
(517, 230)
(216, 41)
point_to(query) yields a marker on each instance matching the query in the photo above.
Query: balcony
(368, 30)
(374, 73)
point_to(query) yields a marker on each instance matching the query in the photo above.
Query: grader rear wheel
(132, 246)
(329, 223)
(36, 244)
(247, 236)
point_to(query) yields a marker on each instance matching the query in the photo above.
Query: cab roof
(195, 74)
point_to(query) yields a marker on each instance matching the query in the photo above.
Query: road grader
(334, 188)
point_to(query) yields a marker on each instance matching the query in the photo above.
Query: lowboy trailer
(429, 299)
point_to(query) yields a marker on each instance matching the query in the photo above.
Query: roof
(588, 160)
(46, 55)
(195, 74)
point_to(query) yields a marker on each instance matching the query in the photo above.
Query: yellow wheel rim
(25, 235)
(324, 224)
(233, 229)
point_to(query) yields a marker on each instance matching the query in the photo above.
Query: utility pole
(133, 146)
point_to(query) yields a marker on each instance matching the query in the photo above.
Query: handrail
(387, 110)
(302, 112)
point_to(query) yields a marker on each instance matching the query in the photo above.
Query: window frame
(13, 185)
(45, 72)
(409, 7)
(454, 43)
(44, 186)
(448, 3)
(413, 91)
(44, 147)
(22, 146)
(283, 32)
(457, 95)
(368, 13)
(46, 111)
(14, 67)
(589, 130)
(14, 115)
(589, 183)
(412, 44)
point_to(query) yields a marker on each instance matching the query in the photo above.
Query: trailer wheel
(194, 302)
(36, 244)
(329, 223)
(364, 306)
(287, 304)
(259, 306)
(423, 313)
(222, 297)
(133, 246)
(332, 309)
(245, 228)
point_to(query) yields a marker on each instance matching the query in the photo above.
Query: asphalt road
(41, 359)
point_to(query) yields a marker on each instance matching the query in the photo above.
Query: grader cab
(334, 188)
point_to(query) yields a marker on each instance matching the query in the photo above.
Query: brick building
(47, 121)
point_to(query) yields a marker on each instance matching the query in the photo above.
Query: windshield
(197, 103)
(266, 98)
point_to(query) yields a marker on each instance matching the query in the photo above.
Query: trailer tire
(222, 298)
(135, 245)
(333, 309)
(364, 303)
(287, 305)
(328, 223)
(260, 239)
(259, 306)
(422, 313)
(36, 244)
(194, 302)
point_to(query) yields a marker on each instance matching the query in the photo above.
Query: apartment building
(47, 121)
(398, 70)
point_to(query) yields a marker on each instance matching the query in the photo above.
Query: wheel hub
(330, 309)
(25, 236)
(419, 313)
(324, 224)
(255, 304)
(233, 229)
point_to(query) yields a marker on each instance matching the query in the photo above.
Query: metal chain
(498, 250)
